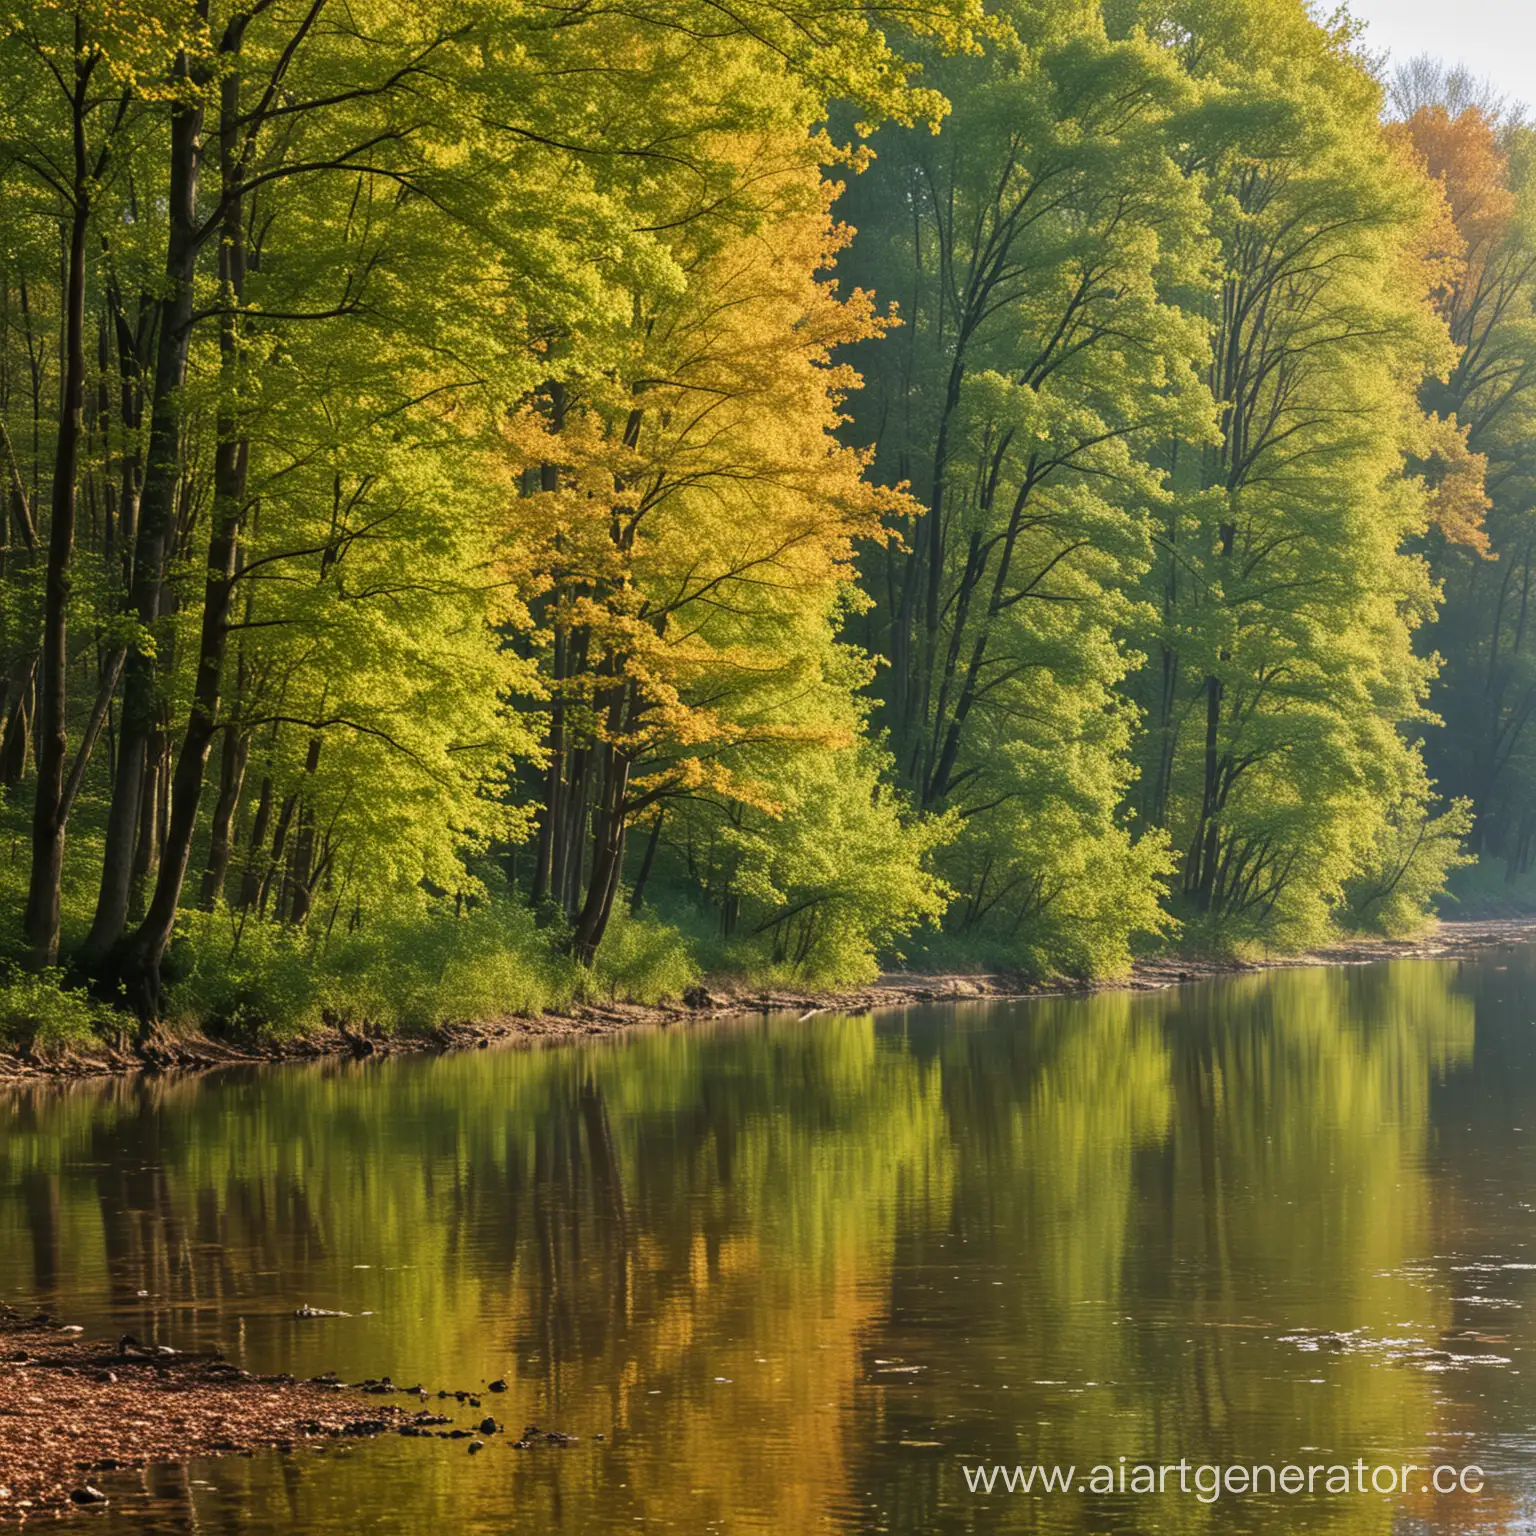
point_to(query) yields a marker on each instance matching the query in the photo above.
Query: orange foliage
(1462, 155)
(693, 542)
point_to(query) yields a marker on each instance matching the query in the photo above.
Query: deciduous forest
(513, 500)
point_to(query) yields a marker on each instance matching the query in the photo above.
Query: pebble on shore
(74, 1409)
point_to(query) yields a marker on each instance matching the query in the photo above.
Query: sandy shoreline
(710, 1002)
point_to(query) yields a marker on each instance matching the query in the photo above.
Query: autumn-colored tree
(689, 546)
(1488, 689)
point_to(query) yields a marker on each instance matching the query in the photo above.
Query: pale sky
(1493, 38)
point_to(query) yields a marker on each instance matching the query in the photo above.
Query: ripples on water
(796, 1274)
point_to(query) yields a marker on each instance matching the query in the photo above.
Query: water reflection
(795, 1273)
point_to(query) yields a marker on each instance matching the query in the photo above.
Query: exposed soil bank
(72, 1410)
(719, 1001)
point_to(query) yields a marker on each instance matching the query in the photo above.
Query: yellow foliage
(701, 515)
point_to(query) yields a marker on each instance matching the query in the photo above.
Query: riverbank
(74, 1413)
(167, 1051)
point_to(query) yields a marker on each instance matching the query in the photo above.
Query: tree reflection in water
(796, 1272)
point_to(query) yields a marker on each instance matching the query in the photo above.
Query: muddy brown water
(798, 1276)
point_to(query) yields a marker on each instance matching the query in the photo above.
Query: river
(798, 1276)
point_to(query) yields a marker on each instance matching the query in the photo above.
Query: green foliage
(643, 960)
(1059, 889)
(1036, 253)
(410, 971)
(269, 984)
(1416, 855)
(1285, 697)
(818, 889)
(517, 480)
(40, 1011)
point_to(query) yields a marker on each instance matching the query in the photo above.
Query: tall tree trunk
(607, 867)
(300, 870)
(231, 455)
(16, 681)
(301, 867)
(545, 881)
(275, 859)
(17, 747)
(146, 841)
(609, 824)
(545, 875)
(41, 922)
(105, 688)
(157, 507)
(571, 851)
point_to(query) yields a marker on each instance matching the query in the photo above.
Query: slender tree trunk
(301, 872)
(146, 842)
(16, 682)
(17, 750)
(279, 843)
(231, 456)
(609, 825)
(280, 838)
(637, 896)
(545, 879)
(571, 852)
(250, 879)
(236, 753)
(607, 868)
(106, 687)
(157, 507)
(301, 868)
(41, 922)
(1200, 872)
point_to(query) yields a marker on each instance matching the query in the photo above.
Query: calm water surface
(798, 1275)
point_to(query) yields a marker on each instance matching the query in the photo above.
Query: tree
(1488, 688)
(1030, 246)
(1284, 691)
(62, 141)
(689, 553)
